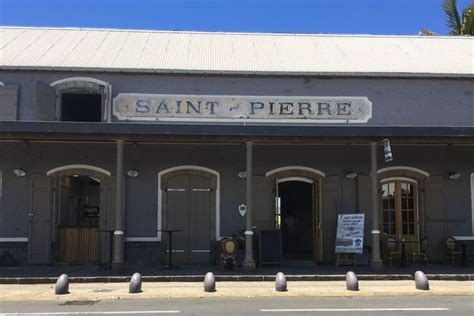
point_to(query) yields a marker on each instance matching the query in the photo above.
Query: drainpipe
(119, 238)
(249, 262)
(376, 262)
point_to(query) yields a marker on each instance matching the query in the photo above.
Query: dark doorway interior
(78, 107)
(78, 220)
(296, 219)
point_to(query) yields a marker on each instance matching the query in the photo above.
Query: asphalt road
(414, 305)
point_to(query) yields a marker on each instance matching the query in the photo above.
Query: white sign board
(350, 233)
(302, 109)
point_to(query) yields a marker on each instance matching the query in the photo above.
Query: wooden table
(465, 242)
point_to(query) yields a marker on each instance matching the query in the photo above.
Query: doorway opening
(400, 218)
(78, 219)
(188, 205)
(81, 107)
(296, 219)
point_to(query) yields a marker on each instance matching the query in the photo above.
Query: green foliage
(452, 16)
(468, 20)
(458, 26)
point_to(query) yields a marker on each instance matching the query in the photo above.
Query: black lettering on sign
(162, 106)
(324, 106)
(192, 106)
(255, 106)
(272, 110)
(143, 106)
(286, 108)
(212, 104)
(178, 107)
(344, 108)
(304, 106)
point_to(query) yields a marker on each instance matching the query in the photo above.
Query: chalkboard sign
(270, 247)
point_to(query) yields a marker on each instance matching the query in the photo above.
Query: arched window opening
(399, 208)
(82, 99)
(81, 107)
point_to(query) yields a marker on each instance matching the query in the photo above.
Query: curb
(237, 278)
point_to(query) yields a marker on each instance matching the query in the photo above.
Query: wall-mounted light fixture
(454, 175)
(19, 172)
(351, 175)
(242, 174)
(132, 173)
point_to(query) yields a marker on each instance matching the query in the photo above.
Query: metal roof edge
(230, 72)
(356, 35)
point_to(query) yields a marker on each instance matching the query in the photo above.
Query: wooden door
(39, 235)
(400, 212)
(330, 208)
(45, 102)
(189, 206)
(316, 233)
(263, 203)
(108, 188)
(200, 197)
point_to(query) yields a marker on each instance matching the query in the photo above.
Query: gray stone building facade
(96, 160)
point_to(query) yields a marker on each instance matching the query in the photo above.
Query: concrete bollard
(421, 281)
(209, 282)
(135, 283)
(280, 282)
(62, 285)
(352, 284)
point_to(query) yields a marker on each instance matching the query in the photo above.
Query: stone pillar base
(118, 267)
(376, 265)
(249, 265)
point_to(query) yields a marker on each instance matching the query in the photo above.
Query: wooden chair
(392, 249)
(229, 247)
(453, 249)
(421, 255)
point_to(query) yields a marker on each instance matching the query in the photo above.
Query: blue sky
(309, 16)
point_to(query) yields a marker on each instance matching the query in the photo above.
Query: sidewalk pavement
(154, 290)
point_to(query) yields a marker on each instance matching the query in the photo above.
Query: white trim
(472, 203)
(87, 79)
(106, 114)
(14, 239)
(300, 179)
(302, 168)
(87, 167)
(426, 174)
(399, 178)
(142, 239)
(160, 196)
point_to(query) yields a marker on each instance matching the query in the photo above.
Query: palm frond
(468, 20)
(452, 17)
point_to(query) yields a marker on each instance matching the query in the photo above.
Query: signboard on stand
(350, 235)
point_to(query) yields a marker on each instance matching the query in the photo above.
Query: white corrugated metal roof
(73, 49)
